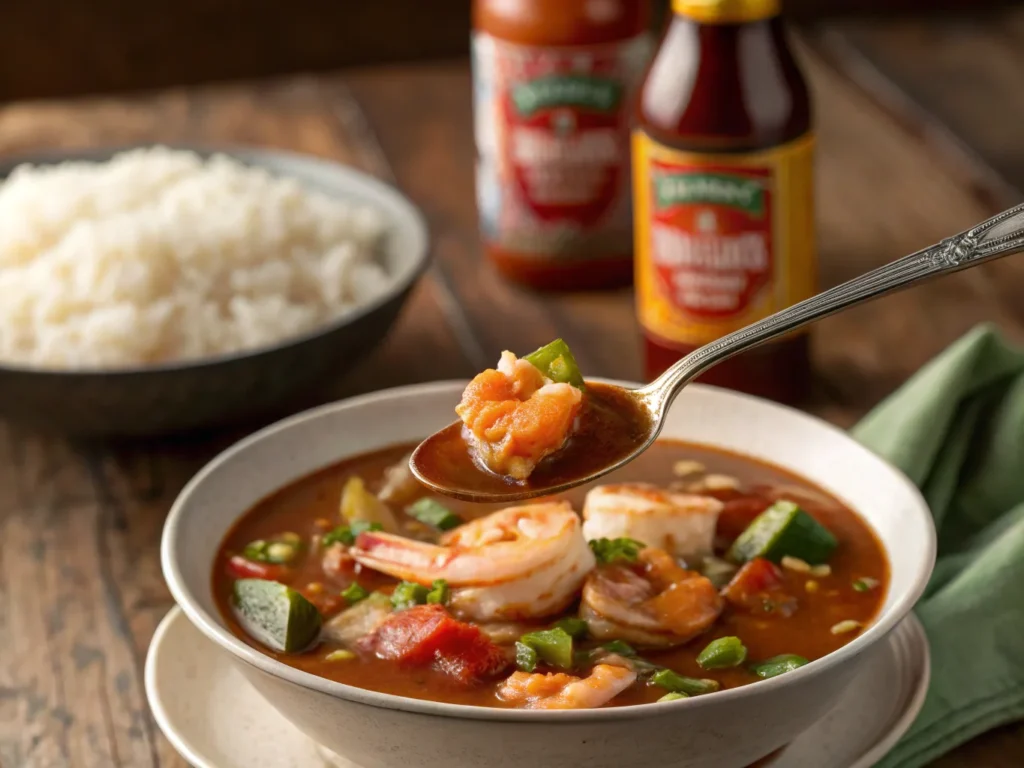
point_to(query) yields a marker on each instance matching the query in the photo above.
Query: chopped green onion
(340, 535)
(354, 593)
(526, 657)
(621, 648)
(777, 665)
(361, 526)
(865, 584)
(576, 628)
(676, 683)
(255, 550)
(555, 361)
(553, 646)
(407, 594)
(340, 655)
(346, 534)
(674, 696)
(433, 513)
(438, 593)
(722, 653)
(612, 550)
(281, 549)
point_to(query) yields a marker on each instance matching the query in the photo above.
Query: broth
(612, 425)
(305, 505)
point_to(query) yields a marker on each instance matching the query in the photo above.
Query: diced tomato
(426, 635)
(759, 575)
(736, 515)
(243, 568)
(758, 586)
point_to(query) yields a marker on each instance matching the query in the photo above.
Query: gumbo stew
(688, 571)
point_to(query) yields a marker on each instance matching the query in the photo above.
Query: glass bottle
(554, 82)
(723, 192)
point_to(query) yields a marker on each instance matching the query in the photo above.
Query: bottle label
(552, 136)
(722, 240)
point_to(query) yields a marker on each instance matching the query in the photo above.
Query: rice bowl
(223, 389)
(160, 255)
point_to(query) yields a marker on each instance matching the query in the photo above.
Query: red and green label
(711, 236)
(553, 139)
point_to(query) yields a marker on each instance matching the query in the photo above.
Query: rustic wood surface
(958, 76)
(80, 584)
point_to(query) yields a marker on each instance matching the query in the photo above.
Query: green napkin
(957, 430)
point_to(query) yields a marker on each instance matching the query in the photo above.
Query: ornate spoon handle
(999, 236)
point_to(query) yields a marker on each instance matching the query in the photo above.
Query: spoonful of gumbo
(534, 427)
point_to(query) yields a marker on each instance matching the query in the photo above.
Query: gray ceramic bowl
(728, 729)
(232, 388)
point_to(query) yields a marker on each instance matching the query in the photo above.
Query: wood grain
(868, 169)
(957, 77)
(80, 586)
(81, 523)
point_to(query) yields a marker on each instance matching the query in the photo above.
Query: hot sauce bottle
(554, 81)
(723, 192)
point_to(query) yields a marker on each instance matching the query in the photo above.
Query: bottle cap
(726, 11)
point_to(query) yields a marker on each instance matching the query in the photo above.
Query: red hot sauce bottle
(553, 85)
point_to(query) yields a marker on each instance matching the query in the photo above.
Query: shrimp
(654, 603)
(516, 564)
(562, 691)
(516, 416)
(681, 524)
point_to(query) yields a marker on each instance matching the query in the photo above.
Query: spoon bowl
(618, 424)
(615, 426)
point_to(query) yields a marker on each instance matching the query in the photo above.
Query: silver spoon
(999, 236)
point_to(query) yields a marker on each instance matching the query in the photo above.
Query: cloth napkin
(957, 430)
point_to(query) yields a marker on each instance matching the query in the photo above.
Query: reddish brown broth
(612, 426)
(806, 632)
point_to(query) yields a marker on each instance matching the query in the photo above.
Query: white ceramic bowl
(728, 729)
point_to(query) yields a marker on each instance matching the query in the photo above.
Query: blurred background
(950, 60)
(919, 107)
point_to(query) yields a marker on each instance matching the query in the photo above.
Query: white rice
(159, 256)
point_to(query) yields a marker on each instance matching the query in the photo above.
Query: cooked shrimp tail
(515, 564)
(655, 603)
(681, 524)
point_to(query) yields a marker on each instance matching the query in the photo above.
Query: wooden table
(80, 584)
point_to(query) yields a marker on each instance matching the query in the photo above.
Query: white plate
(215, 719)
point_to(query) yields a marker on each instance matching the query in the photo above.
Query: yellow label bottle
(723, 192)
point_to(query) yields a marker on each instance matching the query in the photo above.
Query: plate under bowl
(232, 388)
(214, 719)
(728, 729)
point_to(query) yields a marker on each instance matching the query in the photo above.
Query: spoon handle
(999, 236)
